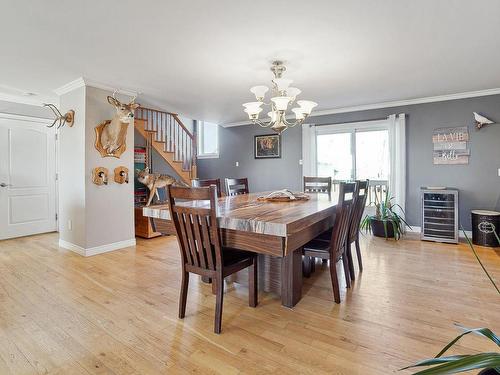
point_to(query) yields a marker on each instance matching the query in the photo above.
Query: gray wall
(478, 182)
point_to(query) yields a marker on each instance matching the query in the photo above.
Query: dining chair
(207, 182)
(236, 186)
(335, 249)
(200, 241)
(317, 185)
(357, 216)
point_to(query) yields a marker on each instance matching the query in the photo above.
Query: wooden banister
(168, 129)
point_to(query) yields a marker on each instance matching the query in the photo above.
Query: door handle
(3, 184)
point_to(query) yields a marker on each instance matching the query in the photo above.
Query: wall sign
(451, 145)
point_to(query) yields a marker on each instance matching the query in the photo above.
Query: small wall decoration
(121, 175)
(110, 135)
(67, 118)
(267, 146)
(481, 120)
(100, 176)
(451, 145)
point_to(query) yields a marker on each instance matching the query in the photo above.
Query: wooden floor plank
(116, 313)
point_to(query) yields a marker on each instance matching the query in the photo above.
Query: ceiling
(199, 57)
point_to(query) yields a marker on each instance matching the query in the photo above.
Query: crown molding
(82, 81)
(395, 103)
(20, 99)
(70, 86)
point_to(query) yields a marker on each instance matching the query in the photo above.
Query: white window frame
(200, 133)
(352, 129)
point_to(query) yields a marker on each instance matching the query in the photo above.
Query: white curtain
(308, 150)
(397, 140)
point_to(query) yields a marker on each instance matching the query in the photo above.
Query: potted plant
(489, 363)
(386, 222)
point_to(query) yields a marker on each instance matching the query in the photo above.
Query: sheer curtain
(397, 140)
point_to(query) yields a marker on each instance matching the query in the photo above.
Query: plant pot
(378, 228)
(489, 371)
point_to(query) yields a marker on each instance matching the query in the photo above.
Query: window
(208, 140)
(374, 150)
(357, 154)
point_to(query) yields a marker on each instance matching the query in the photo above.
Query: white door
(27, 177)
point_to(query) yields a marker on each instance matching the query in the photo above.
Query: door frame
(43, 121)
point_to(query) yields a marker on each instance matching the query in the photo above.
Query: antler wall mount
(67, 118)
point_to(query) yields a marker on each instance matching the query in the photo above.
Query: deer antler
(68, 117)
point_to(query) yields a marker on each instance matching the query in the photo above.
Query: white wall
(109, 208)
(102, 216)
(72, 171)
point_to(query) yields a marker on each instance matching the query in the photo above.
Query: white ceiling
(199, 57)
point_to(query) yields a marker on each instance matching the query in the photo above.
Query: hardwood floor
(116, 313)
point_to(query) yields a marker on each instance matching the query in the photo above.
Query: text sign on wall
(451, 145)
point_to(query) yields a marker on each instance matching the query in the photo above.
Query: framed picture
(267, 146)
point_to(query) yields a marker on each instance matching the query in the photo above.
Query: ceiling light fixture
(282, 97)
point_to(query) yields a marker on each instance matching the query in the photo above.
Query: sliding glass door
(357, 154)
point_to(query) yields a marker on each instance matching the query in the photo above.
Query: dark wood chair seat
(233, 257)
(200, 241)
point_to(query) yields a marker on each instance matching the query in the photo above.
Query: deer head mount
(111, 134)
(67, 118)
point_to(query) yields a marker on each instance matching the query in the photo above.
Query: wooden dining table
(275, 230)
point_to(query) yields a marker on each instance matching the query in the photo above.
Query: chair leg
(306, 266)
(335, 281)
(218, 302)
(183, 296)
(350, 261)
(358, 253)
(345, 261)
(253, 281)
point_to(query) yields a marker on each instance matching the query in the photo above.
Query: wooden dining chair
(335, 249)
(207, 182)
(357, 216)
(236, 186)
(199, 241)
(317, 185)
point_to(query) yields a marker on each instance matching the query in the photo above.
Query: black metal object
(484, 225)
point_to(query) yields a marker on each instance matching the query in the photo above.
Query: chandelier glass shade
(282, 97)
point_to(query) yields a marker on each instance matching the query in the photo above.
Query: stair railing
(166, 127)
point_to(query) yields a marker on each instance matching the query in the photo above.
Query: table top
(246, 213)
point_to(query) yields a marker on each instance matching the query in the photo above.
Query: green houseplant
(386, 222)
(488, 362)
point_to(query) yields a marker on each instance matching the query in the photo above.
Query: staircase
(170, 138)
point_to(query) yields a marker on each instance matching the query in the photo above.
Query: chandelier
(282, 97)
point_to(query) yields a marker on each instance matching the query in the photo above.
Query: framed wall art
(267, 146)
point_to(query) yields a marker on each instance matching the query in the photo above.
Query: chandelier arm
(262, 123)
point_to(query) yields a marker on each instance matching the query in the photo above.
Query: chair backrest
(196, 227)
(340, 232)
(207, 183)
(317, 185)
(358, 209)
(236, 186)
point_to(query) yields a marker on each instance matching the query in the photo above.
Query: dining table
(277, 231)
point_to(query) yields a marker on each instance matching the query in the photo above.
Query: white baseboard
(98, 249)
(415, 229)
